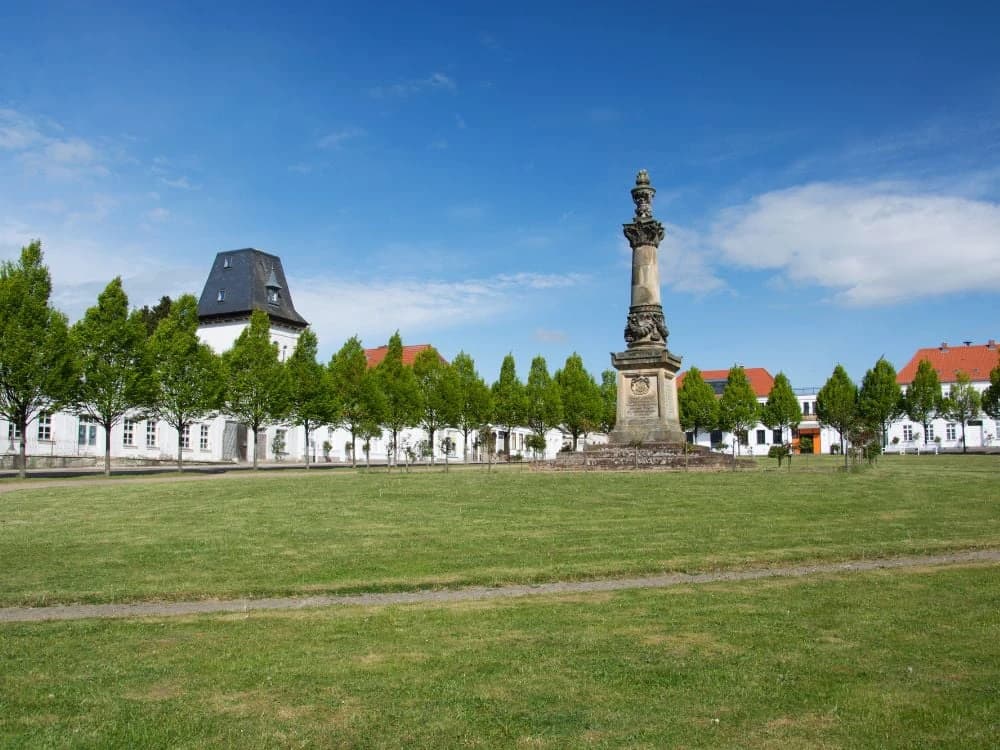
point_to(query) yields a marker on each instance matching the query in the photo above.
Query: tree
(37, 366)
(256, 382)
(356, 390)
(991, 396)
(439, 391)
(738, 406)
(609, 400)
(151, 316)
(311, 402)
(543, 402)
(403, 399)
(475, 402)
(581, 398)
(509, 402)
(837, 405)
(923, 396)
(880, 400)
(963, 402)
(115, 371)
(698, 404)
(187, 375)
(782, 410)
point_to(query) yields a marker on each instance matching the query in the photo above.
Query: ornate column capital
(644, 229)
(648, 232)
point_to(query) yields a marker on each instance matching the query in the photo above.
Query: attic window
(227, 262)
(272, 295)
(222, 295)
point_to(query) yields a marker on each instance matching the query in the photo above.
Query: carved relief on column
(646, 326)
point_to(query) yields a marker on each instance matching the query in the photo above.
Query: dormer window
(227, 262)
(222, 295)
(272, 295)
(273, 288)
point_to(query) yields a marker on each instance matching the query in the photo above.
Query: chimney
(967, 343)
(944, 346)
(991, 345)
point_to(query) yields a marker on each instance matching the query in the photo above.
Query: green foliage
(151, 316)
(782, 409)
(991, 396)
(542, 399)
(440, 394)
(404, 402)
(509, 401)
(311, 398)
(738, 407)
(837, 404)
(923, 396)
(781, 452)
(115, 370)
(880, 400)
(697, 402)
(963, 403)
(806, 444)
(582, 403)
(37, 363)
(609, 400)
(474, 397)
(187, 375)
(357, 391)
(257, 390)
(536, 443)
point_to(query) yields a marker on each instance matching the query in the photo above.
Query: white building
(976, 361)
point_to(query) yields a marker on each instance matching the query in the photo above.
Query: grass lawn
(890, 659)
(282, 533)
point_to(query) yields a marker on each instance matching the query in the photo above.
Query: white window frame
(44, 428)
(203, 438)
(186, 437)
(128, 432)
(150, 433)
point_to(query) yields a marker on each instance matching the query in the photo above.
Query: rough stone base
(650, 456)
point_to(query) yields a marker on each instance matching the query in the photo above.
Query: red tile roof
(375, 356)
(760, 379)
(975, 361)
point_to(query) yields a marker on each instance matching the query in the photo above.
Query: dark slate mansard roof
(245, 276)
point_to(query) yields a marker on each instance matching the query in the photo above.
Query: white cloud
(337, 138)
(158, 214)
(180, 183)
(339, 308)
(874, 244)
(18, 132)
(433, 82)
(548, 336)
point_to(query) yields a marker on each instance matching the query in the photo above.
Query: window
(128, 432)
(907, 432)
(45, 427)
(805, 408)
(186, 436)
(222, 295)
(13, 432)
(949, 431)
(86, 432)
(203, 441)
(930, 433)
(227, 262)
(744, 437)
(272, 295)
(716, 437)
(150, 434)
(761, 437)
(776, 437)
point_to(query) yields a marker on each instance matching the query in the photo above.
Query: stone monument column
(647, 371)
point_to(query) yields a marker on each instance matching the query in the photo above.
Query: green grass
(889, 660)
(327, 532)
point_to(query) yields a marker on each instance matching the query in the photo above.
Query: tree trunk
(465, 446)
(963, 437)
(256, 447)
(107, 450)
(180, 458)
(306, 425)
(430, 440)
(22, 425)
(354, 448)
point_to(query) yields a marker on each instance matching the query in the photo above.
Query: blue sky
(829, 178)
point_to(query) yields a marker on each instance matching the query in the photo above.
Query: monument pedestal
(647, 397)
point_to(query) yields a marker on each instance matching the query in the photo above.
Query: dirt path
(477, 593)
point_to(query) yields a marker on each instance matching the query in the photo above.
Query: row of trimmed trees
(115, 364)
(863, 415)
(737, 410)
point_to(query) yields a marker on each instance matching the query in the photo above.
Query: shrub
(806, 444)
